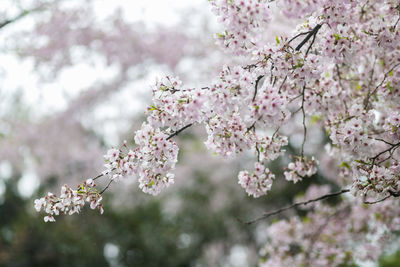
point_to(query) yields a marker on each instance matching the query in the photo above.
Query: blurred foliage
(145, 235)
(392, 260)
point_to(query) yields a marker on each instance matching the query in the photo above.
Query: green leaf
(345, 165)
(315, 119)
(361, 161)
(151, 184)
(299, 65)
(152, 107)
(277, 39)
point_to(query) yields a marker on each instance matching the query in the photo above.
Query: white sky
(50, 97)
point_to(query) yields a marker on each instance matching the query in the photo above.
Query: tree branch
(20, 16)
(391, 149)
(304, 122)
(391, 194)
(107, 186)
(256, 86)
(179, 131)
(377, 201)
(275, 212)
(310, 34)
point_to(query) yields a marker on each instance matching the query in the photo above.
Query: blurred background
(75, 78)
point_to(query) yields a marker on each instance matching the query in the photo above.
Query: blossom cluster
(174, 106)
(152, 160)
(70, 201)
(332, 236)
(228, 135)
(270, 148)
(242, 19)
(258, 182)
(157, 157)
(300, 168)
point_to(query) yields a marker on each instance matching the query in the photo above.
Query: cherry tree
(335, 78)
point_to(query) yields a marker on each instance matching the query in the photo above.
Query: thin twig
(280, 87)
(312, 42)
(298, 35)
(105, 188)
(179, 131)
(97, 177)
(382, 140)
(304, 122)
(392, 147)
(366, 101)
(398, 19)
(377, 201)
(275, 212)
(20, 16)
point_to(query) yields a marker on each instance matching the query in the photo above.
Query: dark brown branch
(258, 153)
(101, 175)
(97, 177)
(391, 194)
(9, 21)
(105, 188)
(256, 86)
(391, 149)
(310, 34)
(382, 140)
(304, 122)
(397, 22)
(394, 194)
(377, 201)
(20, 16)
(312, 42)
(275, 212)
(298, 35)
(369, 94)
(283, 82)
(398, 19)
(179, 131)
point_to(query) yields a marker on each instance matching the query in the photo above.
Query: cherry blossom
(336, 73)
(258, 182)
